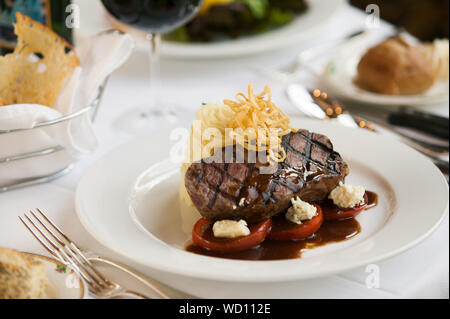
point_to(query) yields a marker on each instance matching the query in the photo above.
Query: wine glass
(155, 17)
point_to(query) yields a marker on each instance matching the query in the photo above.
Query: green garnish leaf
(259, 8)
(279, 17)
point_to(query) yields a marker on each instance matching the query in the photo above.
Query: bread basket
(38, 157)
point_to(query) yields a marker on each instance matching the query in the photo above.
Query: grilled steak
(236, 189)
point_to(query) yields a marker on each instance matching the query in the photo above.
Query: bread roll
(396, 67)
(21, 276)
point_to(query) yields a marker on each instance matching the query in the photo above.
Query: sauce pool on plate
(331, 231)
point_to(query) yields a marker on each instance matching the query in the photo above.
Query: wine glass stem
(155, 72)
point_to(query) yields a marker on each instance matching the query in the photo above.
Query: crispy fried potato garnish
(36, 70)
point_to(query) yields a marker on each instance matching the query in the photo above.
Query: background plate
(307, 25)
(340, 73)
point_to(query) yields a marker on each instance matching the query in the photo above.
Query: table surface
(421, 272)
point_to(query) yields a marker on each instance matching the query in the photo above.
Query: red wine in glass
(154, 17)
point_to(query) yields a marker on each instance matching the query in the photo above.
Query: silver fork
(67, 252)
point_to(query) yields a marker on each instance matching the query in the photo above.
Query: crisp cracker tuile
(35, 72)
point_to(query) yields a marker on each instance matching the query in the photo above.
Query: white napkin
(99, 57)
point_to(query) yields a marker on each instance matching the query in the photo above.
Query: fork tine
(56, 251)
(51, 251)
(68, 240)
(47, 229)
(53, 225)
(61, 254)
(52, 234)
(47, 239)
(77, 262)
(73, 249)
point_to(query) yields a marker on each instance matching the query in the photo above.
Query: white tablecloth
(421, 272)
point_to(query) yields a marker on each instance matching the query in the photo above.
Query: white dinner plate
(63, 282)
(341, 72)
(305, 26)
(129, 202)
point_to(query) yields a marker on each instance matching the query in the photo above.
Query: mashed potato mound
(211, 115)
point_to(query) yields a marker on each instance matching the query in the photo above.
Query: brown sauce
(331, 231)
(370, 201)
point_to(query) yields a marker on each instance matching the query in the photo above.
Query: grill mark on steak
(217, 188)
(307, 163)
(231, 178)
(312, 168)
(199, 177)
(332, 171)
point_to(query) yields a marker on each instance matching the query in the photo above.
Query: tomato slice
(283, 229)
(203, 236)
(333, 212)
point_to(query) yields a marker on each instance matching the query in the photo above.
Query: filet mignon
(236, 189)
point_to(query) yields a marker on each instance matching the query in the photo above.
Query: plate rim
(83, 288)
(253, 278)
